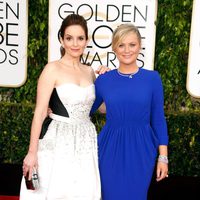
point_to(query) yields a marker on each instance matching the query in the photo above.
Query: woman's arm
(45, 86)
(99, 104)
(159, 126)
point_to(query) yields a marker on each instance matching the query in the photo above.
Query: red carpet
(9, 198)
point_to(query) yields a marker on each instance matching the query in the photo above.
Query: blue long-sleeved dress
(135, 127)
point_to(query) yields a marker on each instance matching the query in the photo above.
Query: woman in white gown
(65, 155)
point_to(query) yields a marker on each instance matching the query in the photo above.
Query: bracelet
(163, 159)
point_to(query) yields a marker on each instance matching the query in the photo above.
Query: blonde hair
(121, 32)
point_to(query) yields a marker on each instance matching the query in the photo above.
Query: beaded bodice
(76, 99)
(76, 133)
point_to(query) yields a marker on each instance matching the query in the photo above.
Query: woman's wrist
(32, 150)
(163, 158)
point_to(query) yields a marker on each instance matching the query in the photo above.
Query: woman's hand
(162, 165)
(102, 108)
(102, 70)
(162, 171)
(49, 111)
(30, 162)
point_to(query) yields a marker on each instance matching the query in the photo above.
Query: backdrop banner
(102, 18)
(13, 42)
(193, 73)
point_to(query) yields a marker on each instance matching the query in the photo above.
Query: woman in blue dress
(135, 130)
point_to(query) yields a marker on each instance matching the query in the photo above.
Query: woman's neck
(128, 69)
(71, 62)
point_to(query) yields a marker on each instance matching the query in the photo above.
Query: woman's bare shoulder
(88, 68)
(52, 65)
(50, 69)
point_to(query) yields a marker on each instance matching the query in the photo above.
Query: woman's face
(74, 41)
(127, 51)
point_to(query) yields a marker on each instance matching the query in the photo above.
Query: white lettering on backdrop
(102, 19)
(13, 42)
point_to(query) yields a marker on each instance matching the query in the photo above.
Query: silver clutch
(32, 184)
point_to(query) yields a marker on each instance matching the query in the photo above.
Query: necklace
(127, 75)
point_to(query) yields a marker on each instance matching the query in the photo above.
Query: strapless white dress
(67, 154)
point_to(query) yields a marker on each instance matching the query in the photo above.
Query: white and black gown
(67, 152)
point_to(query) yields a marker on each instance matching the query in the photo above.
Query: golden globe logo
(102, 19)
(13, 43)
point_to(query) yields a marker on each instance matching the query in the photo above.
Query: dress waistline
(69, 120)
(116, 122)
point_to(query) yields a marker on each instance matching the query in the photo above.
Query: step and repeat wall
(193, 75)
(102, 18)
(13, 42)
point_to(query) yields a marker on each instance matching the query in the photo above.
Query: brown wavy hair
(70, 20)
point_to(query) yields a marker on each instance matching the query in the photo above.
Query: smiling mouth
(127, 56)
(75, 49)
